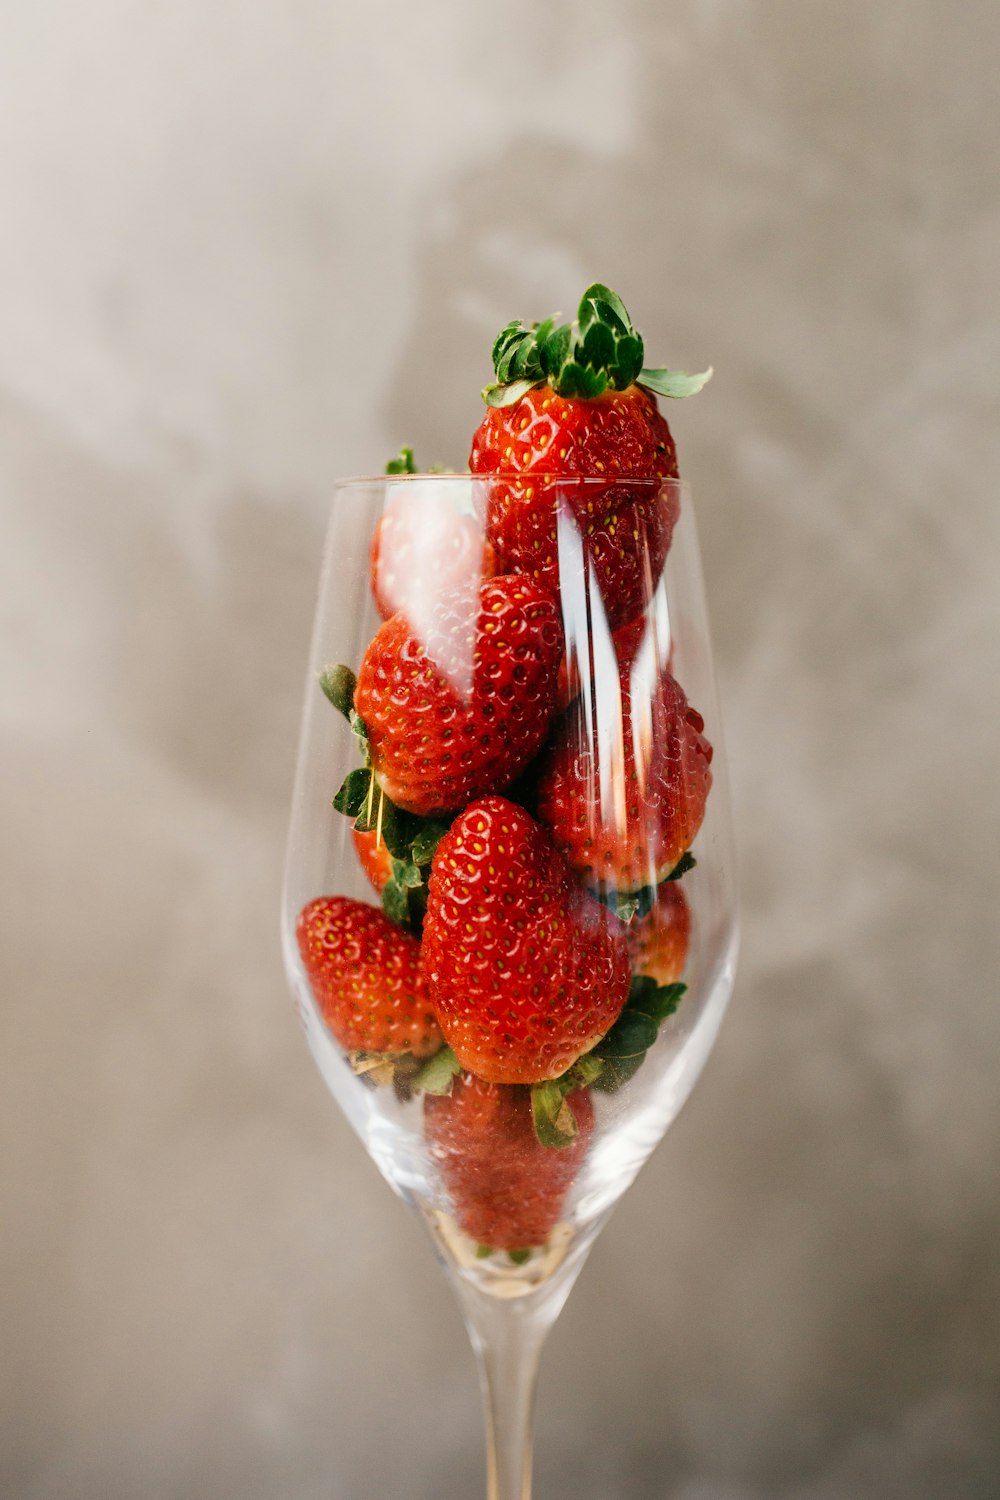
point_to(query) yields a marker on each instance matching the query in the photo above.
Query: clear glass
(619, 642)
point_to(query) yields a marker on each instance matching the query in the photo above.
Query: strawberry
(658, 942)
(461, 707)
(507, 1188)
(526, 971)
(626, 640)
(423, 546)
(373, 856)
(365, 976)
(574, 434)
(623, 786)
(624, 529)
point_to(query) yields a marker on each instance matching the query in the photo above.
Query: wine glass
(578, 966)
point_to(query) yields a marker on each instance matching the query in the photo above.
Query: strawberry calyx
(403, 463)
(401, 1071)
(379, 1069)
(438, 1075)
(409, 1075)
(615, 1059)
(622, 1050)
(411, 840)
(516, 1257)
(339, 683)
(554, 1120)
(600, 351)
(628, 905)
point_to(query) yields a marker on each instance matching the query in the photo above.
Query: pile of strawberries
(533, 779)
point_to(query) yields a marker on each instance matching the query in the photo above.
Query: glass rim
(510, 476)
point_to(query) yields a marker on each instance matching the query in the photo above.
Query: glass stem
(508, 1339)
(507, 1335)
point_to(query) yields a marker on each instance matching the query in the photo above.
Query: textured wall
(249, 245)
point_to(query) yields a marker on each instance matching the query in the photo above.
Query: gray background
(250, 245)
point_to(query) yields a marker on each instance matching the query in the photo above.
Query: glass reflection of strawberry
(624, 823)
(575, 401)
(526, 971)
(507, 1188)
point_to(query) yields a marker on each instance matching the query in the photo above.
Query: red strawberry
(625, 796)
(658, 943)
(626, 641)
(365, 976)
(575, 435)
(423, 546)
(525, 970)
(461, 707)
(507, 1189)
(624, 529)
(374, 857)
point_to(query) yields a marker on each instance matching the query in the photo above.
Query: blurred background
(247, 246)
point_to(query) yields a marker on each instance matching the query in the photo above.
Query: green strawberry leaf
(353, 794)
(674, 383)
(410, 841)
(438, 1075)
(610, 320)
(577, 380)
(668, 997)
(402, 463)
(507, 334)
(625, 1046)
(632, 1035)
(396, 903)
(519, 1256)
(555, 351)
(396, 828)
(404, 895)
(506, 369)
(598, 347)
(425, 844)
(585, 1071)
(338, 683)
(628, 360)
(686, 862)
(507, 395)
(599, 300)
(406, 874)
(580, 360)
(657, 1001)
(641, 994)
(519, 360)
(555, 1123)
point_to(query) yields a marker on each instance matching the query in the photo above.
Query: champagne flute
(603, 769)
